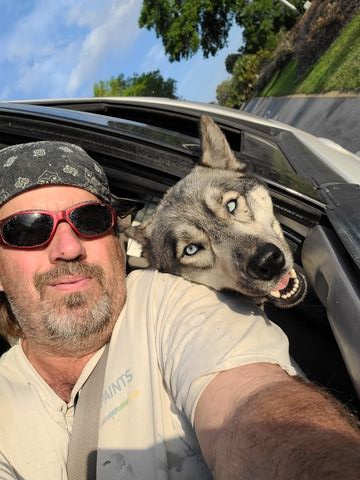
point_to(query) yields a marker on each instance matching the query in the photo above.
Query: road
(333, 117)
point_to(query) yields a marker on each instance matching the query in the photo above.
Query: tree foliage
(185, 26)
(150, 84)
(227, 96)
(230, 61)
(262, 20)
(235, 90)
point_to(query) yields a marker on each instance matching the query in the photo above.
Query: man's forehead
(46, 197)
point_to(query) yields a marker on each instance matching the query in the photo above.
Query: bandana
(29, 165)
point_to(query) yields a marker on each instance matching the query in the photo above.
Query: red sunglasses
(36, 228)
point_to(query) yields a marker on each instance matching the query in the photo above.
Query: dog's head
(216, 226)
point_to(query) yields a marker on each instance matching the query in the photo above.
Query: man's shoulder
(152, 275)
(167, 290)
(11, 370)
(9, 359)
(151, 278)
(148, 281)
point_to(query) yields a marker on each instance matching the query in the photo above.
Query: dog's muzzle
(267, 263)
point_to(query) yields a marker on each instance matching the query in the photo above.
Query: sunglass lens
(90, 220)
(27, 230)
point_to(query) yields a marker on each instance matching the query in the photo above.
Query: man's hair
(9, 326)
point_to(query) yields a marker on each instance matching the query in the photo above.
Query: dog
(216, 226)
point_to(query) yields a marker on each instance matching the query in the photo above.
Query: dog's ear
(139, 233)
(142, 234)
(216, 152)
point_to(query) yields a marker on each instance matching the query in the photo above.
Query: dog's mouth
(290, 290)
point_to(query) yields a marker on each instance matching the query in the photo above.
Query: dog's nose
(266, 263)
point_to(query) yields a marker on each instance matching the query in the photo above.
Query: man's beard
(75, 317)
(70, 319)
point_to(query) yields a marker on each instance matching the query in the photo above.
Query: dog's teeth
(275, 294)
(292, 273)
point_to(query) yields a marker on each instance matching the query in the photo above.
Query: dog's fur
(216, 226)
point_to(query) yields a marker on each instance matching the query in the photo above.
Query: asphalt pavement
(334, 117)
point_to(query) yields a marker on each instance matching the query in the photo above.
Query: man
(187, 370)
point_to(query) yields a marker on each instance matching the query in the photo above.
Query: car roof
(346, 164)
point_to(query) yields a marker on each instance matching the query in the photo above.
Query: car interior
(143, 154)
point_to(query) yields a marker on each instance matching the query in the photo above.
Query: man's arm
(256, 422)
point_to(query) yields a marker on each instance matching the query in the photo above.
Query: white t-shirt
(170, 340)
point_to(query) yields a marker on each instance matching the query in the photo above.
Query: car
(147, 144)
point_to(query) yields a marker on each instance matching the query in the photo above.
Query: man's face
(68, 294)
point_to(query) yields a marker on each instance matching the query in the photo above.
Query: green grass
(283, 82)
(338, 70)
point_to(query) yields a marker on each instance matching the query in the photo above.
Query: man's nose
(65, 244)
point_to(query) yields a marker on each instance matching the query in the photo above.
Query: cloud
(5, 92)
(155, 55)
(29, 37)
(109, 35)
(56, 47)
(60, 48)
(34, 49)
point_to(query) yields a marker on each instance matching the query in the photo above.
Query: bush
(240, 87)
(278, 59)
(318, 28)
(227, 96)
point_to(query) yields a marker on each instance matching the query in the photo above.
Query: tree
(230, 61)
(262, 21)
(185, 26)
(246, 71)
(227, 96)
(234, 91)
(150, 84)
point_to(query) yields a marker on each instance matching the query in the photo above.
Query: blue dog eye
(191, 249)
(231, 205)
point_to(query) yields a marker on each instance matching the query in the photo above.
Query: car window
(264, 152)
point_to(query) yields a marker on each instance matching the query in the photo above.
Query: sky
(60, 48)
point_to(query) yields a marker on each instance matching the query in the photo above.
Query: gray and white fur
(217, 227)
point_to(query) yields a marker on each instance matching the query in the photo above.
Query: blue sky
(60, 48)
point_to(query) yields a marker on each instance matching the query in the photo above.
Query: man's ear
(216, 152)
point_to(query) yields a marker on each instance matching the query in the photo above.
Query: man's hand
(255, 422)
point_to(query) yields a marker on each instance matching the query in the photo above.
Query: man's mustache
(42, 280)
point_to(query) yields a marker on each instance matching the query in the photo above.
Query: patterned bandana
(29, 165)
